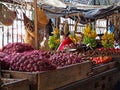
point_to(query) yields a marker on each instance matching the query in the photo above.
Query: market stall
(66, 60)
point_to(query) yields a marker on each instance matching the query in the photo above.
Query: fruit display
(82, 47)
(103, 51)
(89, 36)
(33, 61)
(108, 40)
(70, 46)
(27, 59)
(64, 58)
(54, 40)
(16, 48)
(101, 59)
(2, 54)
(74, 38)
(6, 60)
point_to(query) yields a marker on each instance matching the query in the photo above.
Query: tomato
(101, 59)
(107, 58)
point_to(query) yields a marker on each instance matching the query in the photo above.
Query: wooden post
(94, 2)
(35, 24)
(107, 24)
(57, 22)
(95, 24)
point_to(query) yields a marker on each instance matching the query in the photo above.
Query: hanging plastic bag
(7, 16)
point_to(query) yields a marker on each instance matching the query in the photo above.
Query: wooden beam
(35, 24)
(76, 14)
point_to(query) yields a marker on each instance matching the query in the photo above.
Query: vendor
(65, 40)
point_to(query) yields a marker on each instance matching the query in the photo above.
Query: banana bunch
(89, 32)
(75, 38)
(91, 41)
(56, 31)
(54, 40)
(89, 36)
(107, 40)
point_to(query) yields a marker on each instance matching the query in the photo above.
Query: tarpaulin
(97, 13)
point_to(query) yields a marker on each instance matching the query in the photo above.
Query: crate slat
(15, 84)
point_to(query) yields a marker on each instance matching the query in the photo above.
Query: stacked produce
(16, 48)
(108, 40)
(4, 61)
(34, 61)
(7, 60)
(24, 58)
(89, 36)
(101, 59)
(63, 59)
(8, 52)
(103, 51)
(2, 54)
(54, 40)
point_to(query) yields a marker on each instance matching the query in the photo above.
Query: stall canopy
(57, 8)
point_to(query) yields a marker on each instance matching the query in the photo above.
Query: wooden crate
(55, 78)
(116, 57)
(107, 80)
(32, 77)
(104, 67)
(14, 84)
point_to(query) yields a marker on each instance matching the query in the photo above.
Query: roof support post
(36, 24)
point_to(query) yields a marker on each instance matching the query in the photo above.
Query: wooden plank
(91, 83)
(104, 67)
(53, 79)
(32, 77)
(116, 57)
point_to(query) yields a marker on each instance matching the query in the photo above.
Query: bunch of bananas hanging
(108, 40)
(54, 40)
(74, 38)
(89, 36)
(89, 32)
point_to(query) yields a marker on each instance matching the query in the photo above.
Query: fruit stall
(63, 59)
